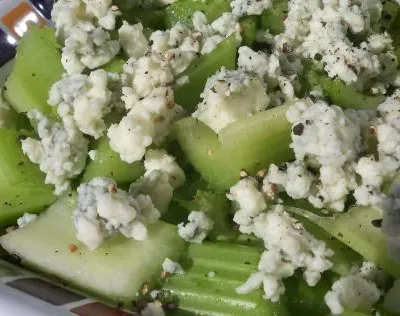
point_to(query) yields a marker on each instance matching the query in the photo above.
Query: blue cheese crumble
(198, 227)
(231, 95)
(104, 209)
(60, 152)
(172, 267)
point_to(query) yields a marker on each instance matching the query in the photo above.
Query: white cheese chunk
(172, 267)
(132, 40)
(26, 219)
(228, 96)
(198, 227)
(103, 209)
(249, 7)
(61, 151)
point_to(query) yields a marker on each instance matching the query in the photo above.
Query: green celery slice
(337, 91)
(116, 65)
(272, 19)
(224, 55)
(37, 67)
(249, 144)
(354, 229)
(114, 272)
(232, 265)
(150, 18)
(249, 26)
(17, 200)
(182, 11)
(15, 168)
(107, 163)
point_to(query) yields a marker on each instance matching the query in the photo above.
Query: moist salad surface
(209, 157)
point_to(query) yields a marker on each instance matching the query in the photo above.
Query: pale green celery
(249, 144)
(108, 163)
(354, 229)
(116, 65)
(249, 26)
(150, 18)
(115, 272)
(202, 293)
(37, 67)
(224, 55)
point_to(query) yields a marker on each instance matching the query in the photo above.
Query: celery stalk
(354, 229)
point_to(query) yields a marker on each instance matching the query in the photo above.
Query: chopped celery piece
(354, 229)
(37, 66)
(249, 26)
(17, 200)
(114, 272)
(15, 168)
(182, 11)
(115, 65)
(217, 207)
(390, 18)
(249, 144)
(304, 300)
(337, 91)
(272, 19)
(151, 18)
(107, 163)
(224, 55)
(202, 293)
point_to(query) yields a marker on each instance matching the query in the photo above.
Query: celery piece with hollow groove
(212, 272)
(272, 18)
(183, 10)
(354, 228)
(36, 68)
(108, 163)
(249, 144)
(224, 55)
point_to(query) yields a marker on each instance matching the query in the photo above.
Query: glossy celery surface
(151, 18)
(354, 228)
(107, 163)
(202, 294)
(114, 272)
(37, 67)
(224, 55)
(220, 158)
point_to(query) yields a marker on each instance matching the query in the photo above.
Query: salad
(209, 157)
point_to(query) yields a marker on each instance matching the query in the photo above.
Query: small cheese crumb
(172, 267)
(26, 219)
(197, 229)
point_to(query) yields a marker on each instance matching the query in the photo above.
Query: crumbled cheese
(104, 209)
(391, 221)
(87, 97)
(211, 275)
(314, 28)
(132, 40)
(230, 95)
(288, 247)
(147, 122)
(84, 28)
(294, 178)
(172, 267)
(26, 219)
(391, 302)
(250, 201)
(157, 159)
(61, 151)
(92, 154)
(352, 292)
(198, 227)
(153, 309)
(249, 7)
